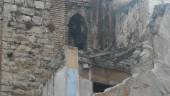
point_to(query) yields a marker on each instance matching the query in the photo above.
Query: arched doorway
(78, 32)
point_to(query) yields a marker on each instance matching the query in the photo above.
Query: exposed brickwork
(58, 19)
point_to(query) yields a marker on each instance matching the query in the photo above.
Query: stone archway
(78, 31)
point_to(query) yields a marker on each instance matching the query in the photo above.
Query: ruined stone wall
(102, 24)
(99, 19)
(160, 30)
(30, 40)
(113, 23)
(33, 30)
(81, 7)
(149, 80)
(131, 20)
(108, 21)
(126, 27)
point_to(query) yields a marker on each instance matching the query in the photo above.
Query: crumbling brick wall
(58, 21)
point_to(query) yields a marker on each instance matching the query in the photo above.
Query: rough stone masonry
(33, 31)
(27, 44)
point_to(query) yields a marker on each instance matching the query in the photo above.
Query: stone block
(10, 7)
(23, 19)
(37, 20)
(35, 30)
(30, 3)
(27, 11)
(48, 5)
(39, 4)
(21, 26)
(7, 76)
(12, 24)
(38, 13)
(21, 84)
(13, 7)
(19, 2)
(8, 1)
(19, 92)
(6, 88)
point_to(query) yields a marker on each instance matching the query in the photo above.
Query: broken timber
(116, 55)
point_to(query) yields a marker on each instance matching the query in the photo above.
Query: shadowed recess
(78, 31)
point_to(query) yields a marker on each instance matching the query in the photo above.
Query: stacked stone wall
(32, 31)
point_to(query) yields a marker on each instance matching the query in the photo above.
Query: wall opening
(100, 87)
(77, 32)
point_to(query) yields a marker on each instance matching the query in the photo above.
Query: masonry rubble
(150, 77)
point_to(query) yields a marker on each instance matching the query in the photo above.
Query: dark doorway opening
(100, 87)
(77, 31)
